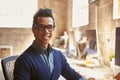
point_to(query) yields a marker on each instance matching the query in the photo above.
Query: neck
(42, 45)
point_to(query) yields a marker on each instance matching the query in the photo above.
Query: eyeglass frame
(42, 27)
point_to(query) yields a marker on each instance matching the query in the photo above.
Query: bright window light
(116, 9)
(17, 13)
(80, 13)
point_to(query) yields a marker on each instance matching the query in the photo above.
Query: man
(40, 61)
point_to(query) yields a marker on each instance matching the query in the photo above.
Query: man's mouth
(46, 37)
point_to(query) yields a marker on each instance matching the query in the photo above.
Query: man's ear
(33, 29)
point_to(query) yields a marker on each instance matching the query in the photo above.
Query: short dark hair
(42, 13)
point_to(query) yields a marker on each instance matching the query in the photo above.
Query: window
(17, 13)
(80, 13)
(116, 9)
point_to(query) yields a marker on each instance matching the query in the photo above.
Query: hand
(117, 77)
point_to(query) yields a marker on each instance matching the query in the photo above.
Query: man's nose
(46, 30)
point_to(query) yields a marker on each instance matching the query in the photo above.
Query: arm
(68, 72)
(21, 69)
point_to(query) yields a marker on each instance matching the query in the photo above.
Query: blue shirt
(46, 55)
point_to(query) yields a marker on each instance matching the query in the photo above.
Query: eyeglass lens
(48, 27)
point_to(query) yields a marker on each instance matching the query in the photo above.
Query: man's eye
(40, 25)
(50, 26)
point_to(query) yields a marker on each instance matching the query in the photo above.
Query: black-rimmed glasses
(50, 28)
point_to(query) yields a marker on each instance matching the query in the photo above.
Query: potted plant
(112, 60)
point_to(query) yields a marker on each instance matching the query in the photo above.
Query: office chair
(8, 66)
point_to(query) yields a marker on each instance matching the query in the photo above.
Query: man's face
(43, 30)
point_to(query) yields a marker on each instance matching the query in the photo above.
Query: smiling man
(40, 61)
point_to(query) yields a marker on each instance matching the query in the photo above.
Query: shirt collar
(41, 49)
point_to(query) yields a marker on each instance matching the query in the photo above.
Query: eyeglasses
(50, 28)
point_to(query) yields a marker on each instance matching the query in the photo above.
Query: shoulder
(27, 54)
(58, 52)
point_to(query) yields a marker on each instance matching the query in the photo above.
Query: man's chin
(45, 42)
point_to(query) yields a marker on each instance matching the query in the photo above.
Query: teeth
(46, 37)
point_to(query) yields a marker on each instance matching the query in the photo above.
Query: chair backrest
(8, 66)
